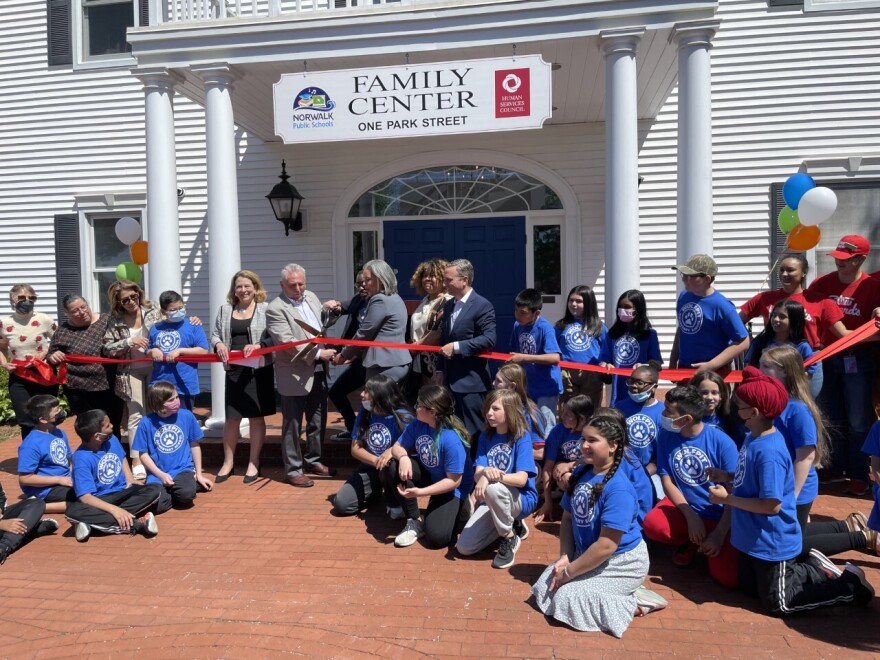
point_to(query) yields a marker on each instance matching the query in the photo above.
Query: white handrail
(186, 11)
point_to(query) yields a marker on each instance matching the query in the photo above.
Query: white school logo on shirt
(168, 340)
(379, 438)
(690, 318)
(580, 504)
(571, 449)
(425, 450)
(58, 451)
(577, 338)
(169, 438)
(641, 429)
(740, 474)
(109, 467)
(499, 456)
(626, 350)
(690, 464)
(527, 344)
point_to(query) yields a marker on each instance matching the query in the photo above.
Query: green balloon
(129, 271)
(788, 220)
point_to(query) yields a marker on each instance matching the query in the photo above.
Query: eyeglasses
(83, 309)
(132, 298)
(23, 298)
(639, 383)
(695, 275)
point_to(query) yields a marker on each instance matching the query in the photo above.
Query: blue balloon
(795, 187)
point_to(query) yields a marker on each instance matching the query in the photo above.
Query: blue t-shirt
(167, 441)
(642, 426)
(496, 452)
(168, 337)
(764, 470)
(641, 482)
(99, 472)
(872, 448)
(535, 424)
(802, 347)
(616, 508)
(685, 461)
(798, 427)
(44, 454)
(382, 432)
(627, 351)
(706, 326)
(539, 338)
(563, 445)
(447, 456)
(578, 346)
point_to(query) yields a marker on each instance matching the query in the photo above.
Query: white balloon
(128, 230)
(816, 206)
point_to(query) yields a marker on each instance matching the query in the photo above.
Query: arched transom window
(455, 190)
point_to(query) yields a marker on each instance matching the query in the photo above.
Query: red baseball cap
(851, 246)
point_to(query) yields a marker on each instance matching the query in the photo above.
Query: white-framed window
(99, 30)
(839, 5)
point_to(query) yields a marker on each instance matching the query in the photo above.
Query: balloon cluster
(128, 231)
(807, 206)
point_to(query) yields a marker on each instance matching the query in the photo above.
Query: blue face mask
(367, 404)
(668, 424)
(177, 315)
(641, 397)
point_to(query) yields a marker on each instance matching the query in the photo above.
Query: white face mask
(367, 404)
(668, 424)
(626, 315)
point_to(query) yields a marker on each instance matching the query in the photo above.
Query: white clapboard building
(632, 134)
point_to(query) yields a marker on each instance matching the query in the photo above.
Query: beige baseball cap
(699, 264)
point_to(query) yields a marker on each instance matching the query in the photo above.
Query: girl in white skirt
(595, 585)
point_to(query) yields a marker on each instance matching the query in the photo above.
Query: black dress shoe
(220, 478)
(251, 478)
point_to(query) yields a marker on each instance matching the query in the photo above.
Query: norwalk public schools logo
(512, 93)
(313, 108)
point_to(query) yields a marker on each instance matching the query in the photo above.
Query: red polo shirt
(857, 300)
(821, 312)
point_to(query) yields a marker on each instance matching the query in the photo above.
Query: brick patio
(265, 570)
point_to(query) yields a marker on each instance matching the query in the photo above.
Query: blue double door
(495, 246)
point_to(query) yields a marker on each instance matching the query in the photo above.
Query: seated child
(167, 442)
(504, 481)
(764, 526)
(513, 377)
(21, 522)
(109, 500)
(383, 415)
(171, 338)
(44, 455)
(685, 518)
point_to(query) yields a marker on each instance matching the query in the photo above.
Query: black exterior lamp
(286, 200)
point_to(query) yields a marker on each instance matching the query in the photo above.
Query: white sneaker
(148, 525)
(395, 512)
(139, 472)
(648, 601)
(83, 531)
(413, 531)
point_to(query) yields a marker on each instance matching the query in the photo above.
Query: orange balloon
(804, 237)
(139, 252)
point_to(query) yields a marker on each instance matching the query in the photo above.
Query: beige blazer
(293, 378)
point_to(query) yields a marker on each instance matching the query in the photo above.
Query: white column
(621, 165)
(224, 254)
(695, 221)
(162, 222)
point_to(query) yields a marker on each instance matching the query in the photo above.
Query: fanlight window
(455, 190)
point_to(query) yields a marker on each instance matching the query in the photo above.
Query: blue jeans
(547, 405)
(846, 401)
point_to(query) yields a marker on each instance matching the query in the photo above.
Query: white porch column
(162, 222)
(694, 235)
(621, 165)
(224, 254)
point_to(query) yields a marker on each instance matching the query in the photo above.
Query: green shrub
(7, 414)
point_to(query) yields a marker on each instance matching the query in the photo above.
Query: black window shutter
(785, 3)
(58, 26)
(68, 267)
(143, 13)
(777, 238)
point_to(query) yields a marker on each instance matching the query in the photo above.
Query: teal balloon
(129, 270)
(788, 220)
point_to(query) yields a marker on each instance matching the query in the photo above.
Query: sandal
(856, 522)
(872, 537)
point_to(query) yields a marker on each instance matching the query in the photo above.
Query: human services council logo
(313, 99)
(513, 93)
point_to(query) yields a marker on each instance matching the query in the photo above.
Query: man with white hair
(300, 376)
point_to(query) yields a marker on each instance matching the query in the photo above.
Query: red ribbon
(674, 375)
(39, 371)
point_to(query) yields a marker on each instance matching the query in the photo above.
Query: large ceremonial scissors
(318, 334)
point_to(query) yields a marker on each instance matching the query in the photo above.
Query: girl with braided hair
(595, 585)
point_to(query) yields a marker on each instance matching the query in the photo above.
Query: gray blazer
(293, 378)
(223, 330)
(385, 320)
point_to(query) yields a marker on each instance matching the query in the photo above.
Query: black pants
(830, 538)
(181, 495)
(83, 400)
(30, 511)
(442, 512)
(347, 379)
(362, 485)
(134, 499)
(786, 587)
(60, 494)
(20, 390)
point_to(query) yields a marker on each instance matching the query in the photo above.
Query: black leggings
(20, 390)
(442, 512)
(30, 511)
(830, 538)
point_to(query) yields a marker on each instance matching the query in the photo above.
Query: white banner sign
(477, 96)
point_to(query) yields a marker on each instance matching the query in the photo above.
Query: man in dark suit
(468, 328)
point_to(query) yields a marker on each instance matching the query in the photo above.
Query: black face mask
(24, 307)
(59, 418)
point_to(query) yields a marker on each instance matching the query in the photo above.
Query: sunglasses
(23, 298)
(132, 298)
